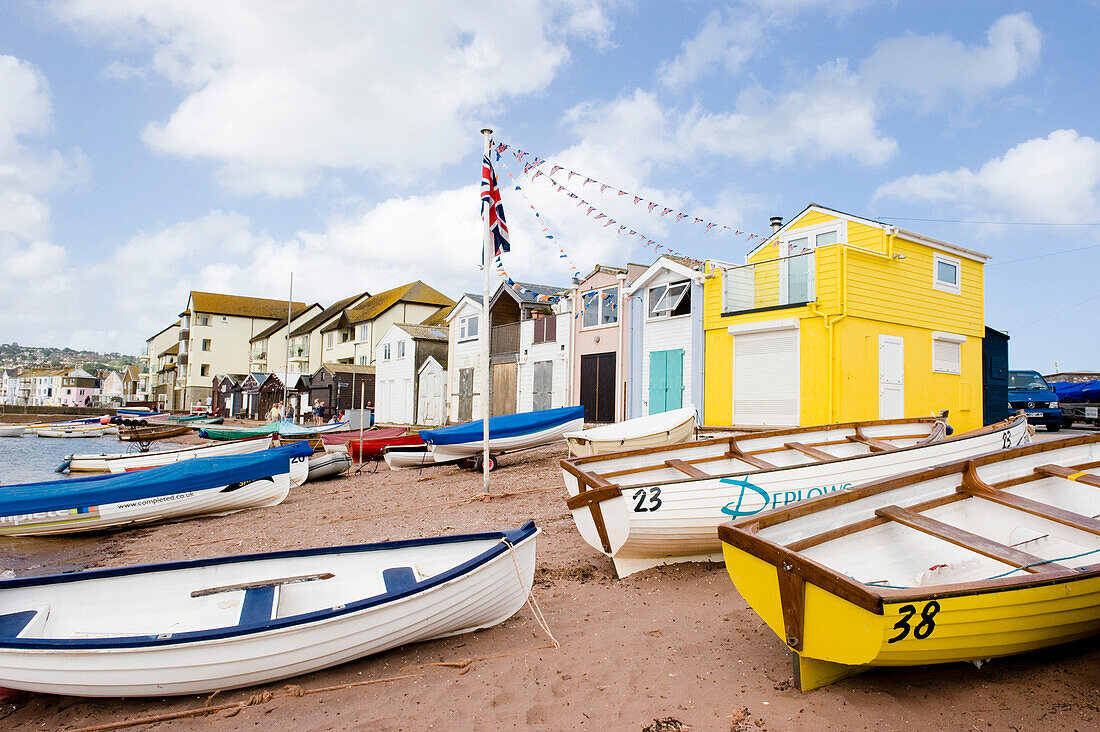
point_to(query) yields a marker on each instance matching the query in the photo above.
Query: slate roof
(327, 314)
(414, 292)
(280, 324)
(239, 305)
(425, 332)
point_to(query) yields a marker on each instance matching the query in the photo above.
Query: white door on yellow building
(891, 377)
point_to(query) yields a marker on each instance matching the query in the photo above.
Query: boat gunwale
(506, 540)
(570, 464)
(744, 536)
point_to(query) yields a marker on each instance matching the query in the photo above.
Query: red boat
(371, 449)
(375, 433)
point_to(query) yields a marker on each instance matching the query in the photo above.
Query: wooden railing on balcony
(504, 339)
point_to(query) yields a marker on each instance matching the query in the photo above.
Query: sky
(151, 148)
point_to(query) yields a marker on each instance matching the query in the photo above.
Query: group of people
(316, 412)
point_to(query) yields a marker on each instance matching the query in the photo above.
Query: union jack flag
(490, 196)
(637, 200)
(679, 216)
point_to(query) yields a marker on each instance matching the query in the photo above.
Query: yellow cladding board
(875, 293)
(857, 369)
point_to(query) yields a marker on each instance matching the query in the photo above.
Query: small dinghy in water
(199, 626)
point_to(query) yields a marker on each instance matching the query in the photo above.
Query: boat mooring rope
(531, 601)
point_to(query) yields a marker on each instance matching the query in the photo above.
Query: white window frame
(954, 288)
(664, 311)
(951, 339)
(401, 349)
(602, 303)
(330, 339)
(810, 234)
(464, 328)
(385, 351)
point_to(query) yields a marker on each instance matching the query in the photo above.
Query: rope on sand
(531, 601)
(290, 690)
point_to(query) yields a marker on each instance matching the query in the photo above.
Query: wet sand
(672, 643)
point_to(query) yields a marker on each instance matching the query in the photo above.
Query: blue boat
(506, 433)
(188, 488)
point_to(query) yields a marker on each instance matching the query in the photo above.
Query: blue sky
(150, 148)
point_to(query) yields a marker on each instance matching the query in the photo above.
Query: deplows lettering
(752, 499)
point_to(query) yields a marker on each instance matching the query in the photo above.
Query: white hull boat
(123, 462)
(200, 626)
(406, 457)
(76, 431)
(12, 430)
(203, 486)
(506, 433)
(659, 506)
(656, 430)
(327, 464)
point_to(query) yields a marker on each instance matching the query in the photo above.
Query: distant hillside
(13, 354)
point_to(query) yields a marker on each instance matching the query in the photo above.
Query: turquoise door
(666, 380)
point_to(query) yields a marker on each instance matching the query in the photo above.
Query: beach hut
(666, 338)
(228, 399)
(431, 400)
(342, 386)
(398, 357)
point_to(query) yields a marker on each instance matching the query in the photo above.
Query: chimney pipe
(777, 223)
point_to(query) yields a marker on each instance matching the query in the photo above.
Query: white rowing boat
(123, 462)
(81, 431)
(981, 558)
(664, 505)
(655, 430)
(196, 487)
(201, 626)
(405, 457)
(12, 430)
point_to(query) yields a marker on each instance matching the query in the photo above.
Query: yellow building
(836, 318)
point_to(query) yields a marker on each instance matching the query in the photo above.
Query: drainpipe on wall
(619, 367)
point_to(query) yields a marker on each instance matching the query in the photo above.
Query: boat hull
(482, 592)
(139, 461)
(212, 501)
(602, 440)
(841, 638)
(457, 451)
(12, 431)
(663, 523)
(326, 465)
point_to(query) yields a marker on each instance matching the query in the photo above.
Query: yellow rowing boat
(966, 561)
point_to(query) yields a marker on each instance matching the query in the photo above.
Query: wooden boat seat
(737, 452)
(1080, 476)
(872, 444)
(687, 468)
(259, 605)
(398, 579)
(975, 543)
(810, 451)
(24, 623)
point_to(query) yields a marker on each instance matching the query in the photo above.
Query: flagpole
(486, 259)
(286, 370)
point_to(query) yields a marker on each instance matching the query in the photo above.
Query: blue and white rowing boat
(506, 433)
(216, 485)
(199, 626)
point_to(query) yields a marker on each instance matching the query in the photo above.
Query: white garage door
(765, 378)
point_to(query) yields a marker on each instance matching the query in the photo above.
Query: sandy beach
(675, 644)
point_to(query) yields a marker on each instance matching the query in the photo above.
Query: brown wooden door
(465, 395)
(598, 387)
(504, 388)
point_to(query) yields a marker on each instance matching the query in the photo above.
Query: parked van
(1029, 391)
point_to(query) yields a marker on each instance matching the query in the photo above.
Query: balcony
(182, 360)
(185, 334)
(504, 339)
(775, 283)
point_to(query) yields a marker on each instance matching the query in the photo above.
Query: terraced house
(215, 335)
(836, 317)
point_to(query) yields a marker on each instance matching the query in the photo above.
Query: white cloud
(1056, 178)
(279, 95)
(827, 117)
(929, 69)
(728, 39)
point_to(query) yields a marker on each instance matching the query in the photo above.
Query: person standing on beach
(319, 413)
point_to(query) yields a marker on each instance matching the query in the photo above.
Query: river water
(32, 459)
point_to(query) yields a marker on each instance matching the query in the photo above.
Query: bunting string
(533, 171)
